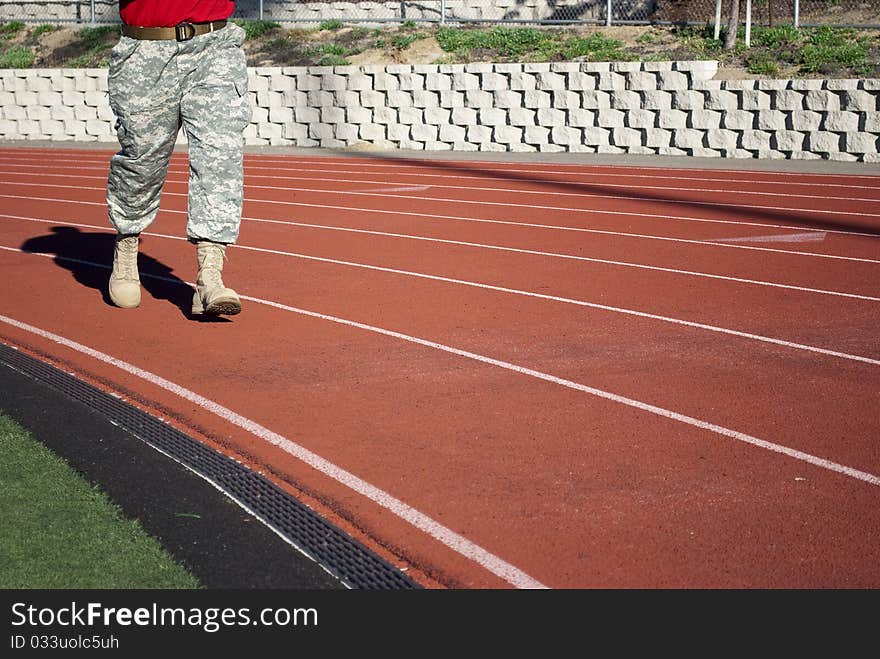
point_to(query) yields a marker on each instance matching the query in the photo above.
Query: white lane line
(513, 223)
(431, 527)
(541, 296)
(572, 257)
(509, 191)
(582, 170)
(401, 509)
(420, 188)
(811, 237)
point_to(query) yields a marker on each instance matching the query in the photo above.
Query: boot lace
(125, 264)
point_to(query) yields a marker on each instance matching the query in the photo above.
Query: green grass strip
(59, 531)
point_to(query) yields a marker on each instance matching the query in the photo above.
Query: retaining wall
(666, 108)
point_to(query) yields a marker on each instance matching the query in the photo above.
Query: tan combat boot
(211, 296)
(125, 283)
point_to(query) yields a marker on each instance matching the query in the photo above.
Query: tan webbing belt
(180, 32)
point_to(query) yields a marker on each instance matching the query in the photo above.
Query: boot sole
(223, 308)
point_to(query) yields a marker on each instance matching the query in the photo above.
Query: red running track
(502, 374)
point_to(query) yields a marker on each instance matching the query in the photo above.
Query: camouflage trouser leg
(155, 88)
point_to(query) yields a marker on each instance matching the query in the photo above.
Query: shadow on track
(89, 258)
(666, 201)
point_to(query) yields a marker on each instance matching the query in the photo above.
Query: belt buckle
(184, 31)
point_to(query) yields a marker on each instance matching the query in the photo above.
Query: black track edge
(336, 552)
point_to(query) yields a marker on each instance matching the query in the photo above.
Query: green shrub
(17, 57)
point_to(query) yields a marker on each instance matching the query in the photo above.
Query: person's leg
(143, 90)
(215, 110)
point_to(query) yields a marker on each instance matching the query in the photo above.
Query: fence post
(442, 12)
(717, 19)
(608, 13)
(797, 14)
(92, 11)
(261, 9)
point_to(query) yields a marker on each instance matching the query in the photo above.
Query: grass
(17, 57)
(59, 531)
(256, 29)
(779, 51)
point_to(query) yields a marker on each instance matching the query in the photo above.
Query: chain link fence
(845, 13)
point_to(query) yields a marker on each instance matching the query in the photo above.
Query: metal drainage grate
(337, 552)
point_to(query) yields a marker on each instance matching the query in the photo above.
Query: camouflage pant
(155, 87)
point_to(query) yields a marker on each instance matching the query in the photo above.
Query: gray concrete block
(565, 100)
(658, 137)
(638, 118)
(477, 98)
(871, 122)
(656, 100)
(38, 112)
(536, 99)
(437, 116)
(705, 119)
(609, 118)
(688, 100)
(594, 100)
(787, 140)
(280, 115)
(373, 132)
(625, 99)
(479, 134)
(851, 157)
(410, 116)
(672, 151)
(450, 133)
(581, 81)
(438, 82)
(688, 138)
(641, 80)
(494, 82)
(610, 149)
(425, 99)
(411, 81)
(582, 118)
(737, 119)
(452, 99)
(703, 152)
(772, 120)
(520, 116)
(722, 138)
(550, 81)
(398, 132)
(400, 99)
(329, 115)
(508, 134)
(550, 117)
(566, 135)
(610, 81)
(537, 135)
(842, 84)
(754, 99)
(385, 82)
(424, 133)
(787, 100)
(721, 100)
(805, 120)
(627, 137)
(823, 141)
(464, 116)
(856, 142)
(492, 116)
(859, 101)
(507, 99)
(348, 133)
(523, 81)
(841, 122)
(597, 136)
(371, 99)
(673, 119)
(672, 81)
